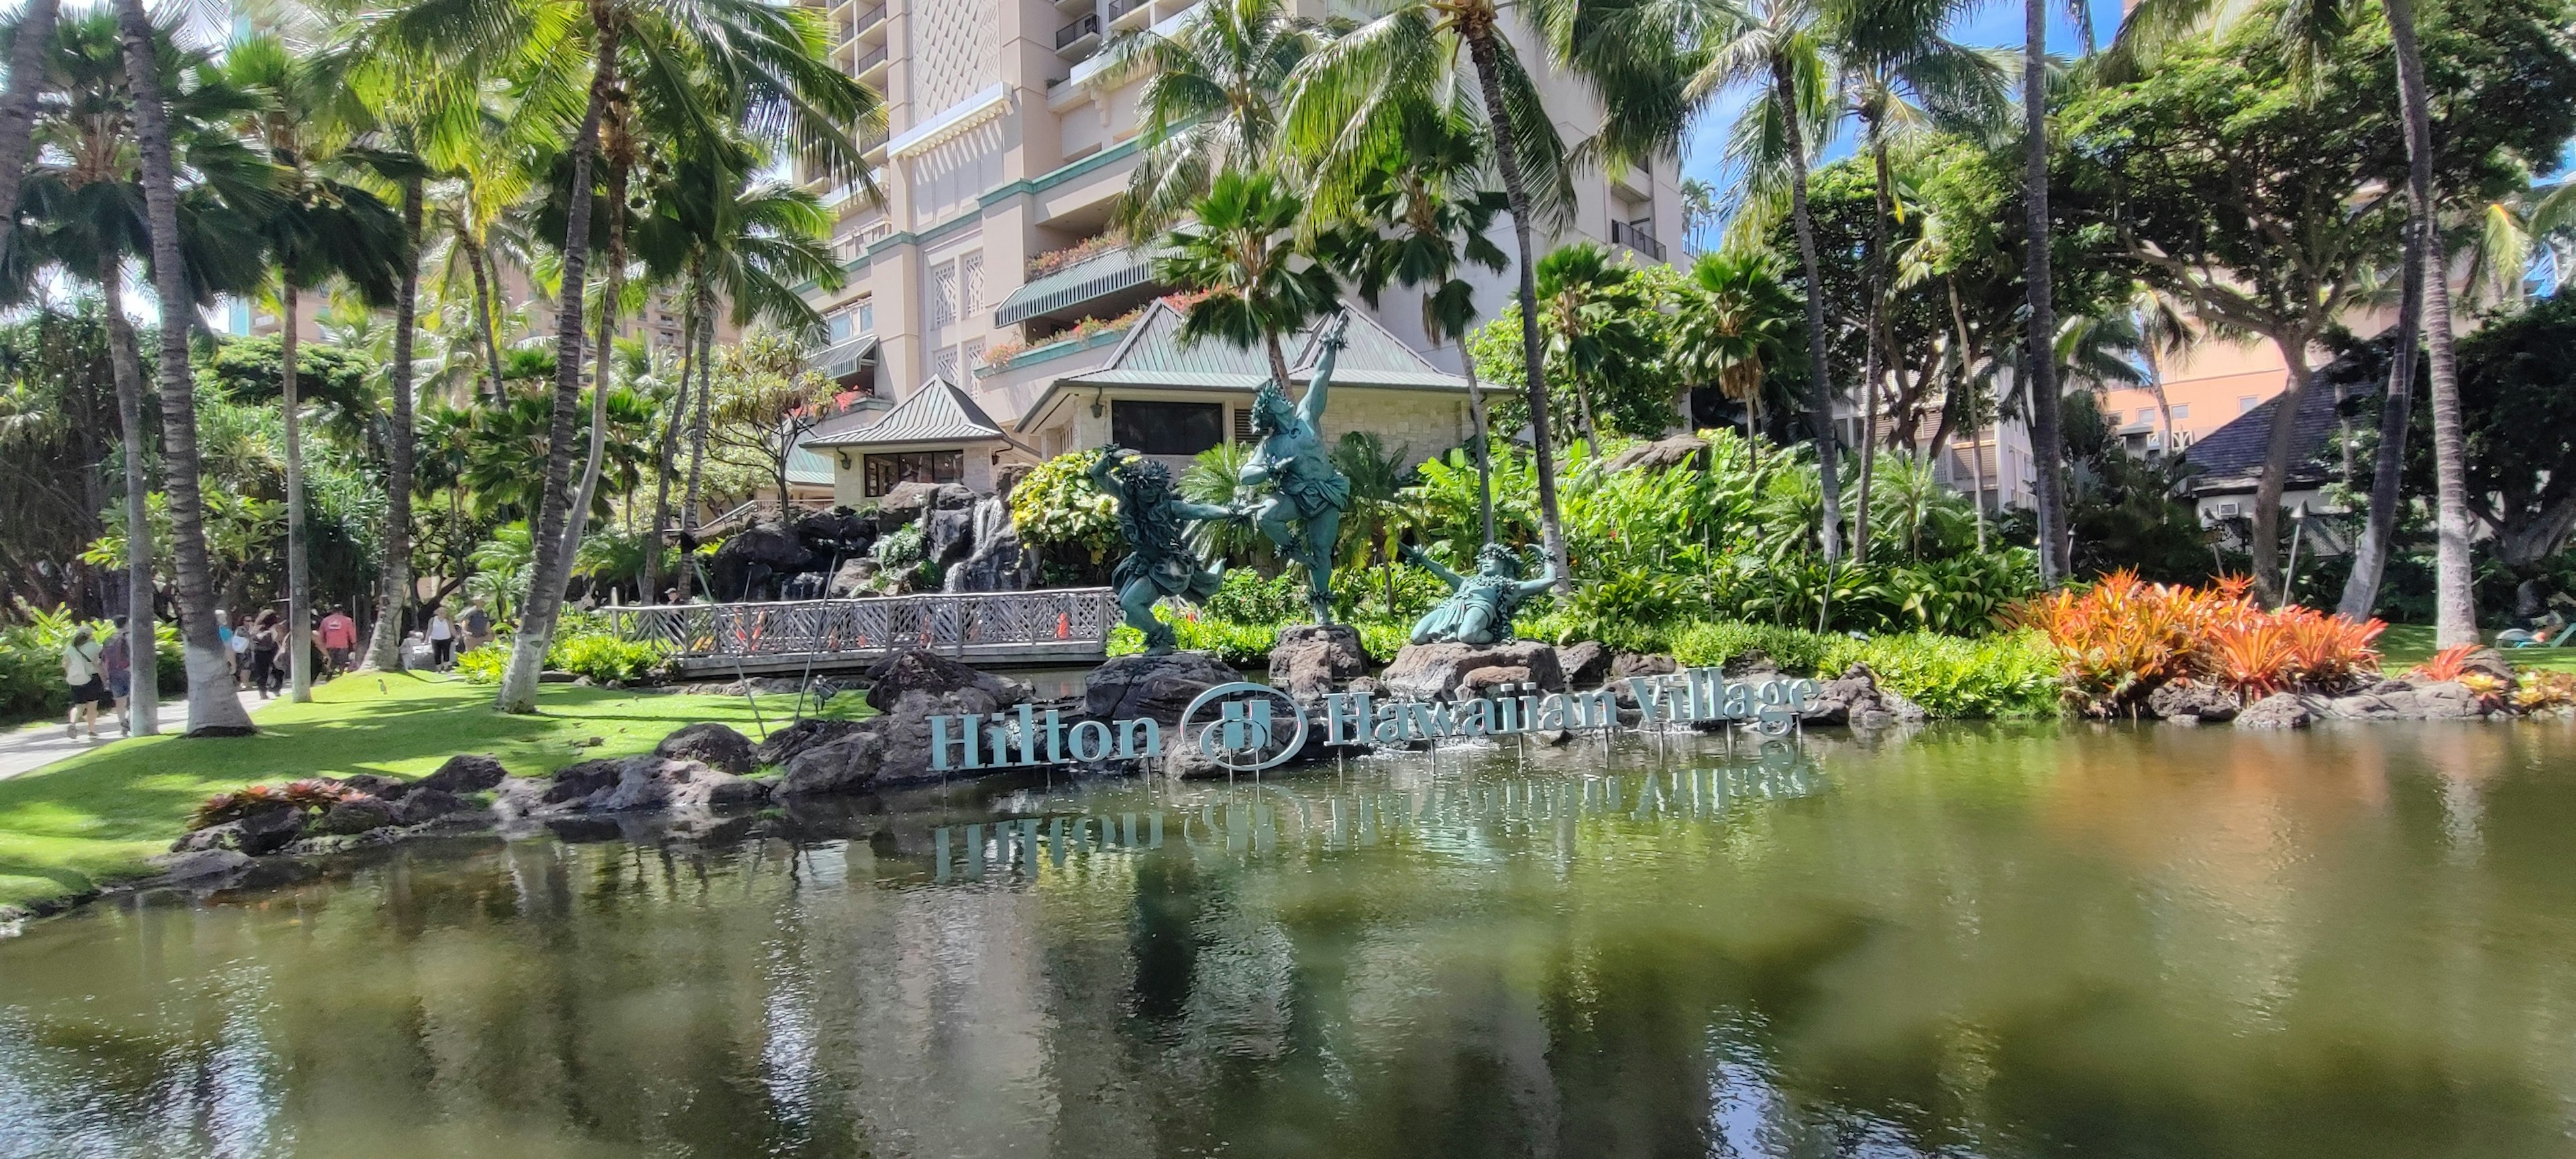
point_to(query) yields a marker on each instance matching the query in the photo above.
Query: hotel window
(2244, 403)
(2181, 411)
(886, 472)
(1166, 428)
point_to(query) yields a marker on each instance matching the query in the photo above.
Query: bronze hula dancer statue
(1150, 515)
(1302, 515)
(1480, 606)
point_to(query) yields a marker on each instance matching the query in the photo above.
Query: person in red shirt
(338, 635)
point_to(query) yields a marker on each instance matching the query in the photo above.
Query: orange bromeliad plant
(2121, 638)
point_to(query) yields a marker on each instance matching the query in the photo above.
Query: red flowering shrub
(2120, 639)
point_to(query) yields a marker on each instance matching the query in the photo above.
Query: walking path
(40, 744)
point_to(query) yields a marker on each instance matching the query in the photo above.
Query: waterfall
(986, 568)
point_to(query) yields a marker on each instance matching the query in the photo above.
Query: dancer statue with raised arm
(1480, 606)
(1302, 514)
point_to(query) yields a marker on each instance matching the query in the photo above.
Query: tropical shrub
(2448, 664)
(310, 796)
(1245, 597)
(1057, 507)
(601, 655)
(2122, 638)
(484, 665)
(1953, 677)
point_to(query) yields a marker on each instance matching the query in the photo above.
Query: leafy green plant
(1057, 506)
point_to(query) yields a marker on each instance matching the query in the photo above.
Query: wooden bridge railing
(1056, 624)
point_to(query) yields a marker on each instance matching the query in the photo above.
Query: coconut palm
(1210, 101)
(321, 224)
(2045, 429)
(27, 78)
(708, 64)
(87, 220)
(1419, 213)
(1242, 249)
(213, 710)
(1442, 54)
(1661, 62)
(744, 242)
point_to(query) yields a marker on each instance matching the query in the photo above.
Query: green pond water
(2000, 942)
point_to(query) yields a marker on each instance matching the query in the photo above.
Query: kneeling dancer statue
(1302, 516)
(1480, 606)
(1150, 515)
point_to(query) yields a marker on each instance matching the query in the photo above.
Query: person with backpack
(83, 670)
(117, 661)
(266, 641)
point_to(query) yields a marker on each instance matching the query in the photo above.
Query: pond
(1967, 942)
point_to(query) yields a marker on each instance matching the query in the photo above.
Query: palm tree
(1379, 517)
(213, 709)
(1419, 212)
(319, 226)
(749, 243)
(1590, 309)
(1242, 248)
(2046, 438)
(1210, 100)
(1430, 54)
(1660, 62)
(32, 37)
(1735, 318)
(84, 197)
(718, 63)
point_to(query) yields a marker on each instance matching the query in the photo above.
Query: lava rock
(917, 670)
(255, 834)
(1585, 664)
(1627, 664)
(200, 865)
(1160, 687)
(1750, 664)
(355, 815)
(465, 773)
(2191, 700)
(1439, 671)
(1485, 681)
(583, 780)
(1855, 698)
(711, 744)
(627, 785)
(854, 578)
(1313, 659)
(2437, 700)
(890, 749)
(2279, 710)
(1674, 451)
(787, 743)
(2490, 663)
(422, 806)
(378, 786)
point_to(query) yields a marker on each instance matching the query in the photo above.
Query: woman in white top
(81, 670)
(442, 637)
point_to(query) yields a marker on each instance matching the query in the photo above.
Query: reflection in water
(1975, 942)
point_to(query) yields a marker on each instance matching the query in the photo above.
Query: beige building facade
(986, 261)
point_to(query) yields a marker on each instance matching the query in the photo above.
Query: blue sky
(1998, 23)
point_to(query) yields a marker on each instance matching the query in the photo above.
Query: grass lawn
(77, 823)
(2405, 645)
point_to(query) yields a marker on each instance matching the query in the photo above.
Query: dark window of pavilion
(886, 471)
(1167, 428)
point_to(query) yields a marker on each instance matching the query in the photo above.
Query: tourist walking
(442, 638)
(478, 626)
(339, 636)
(242, 633)
(82, 657)
(266, 674)
(117, 660)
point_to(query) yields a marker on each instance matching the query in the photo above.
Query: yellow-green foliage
(1057, 504)
(601, 656)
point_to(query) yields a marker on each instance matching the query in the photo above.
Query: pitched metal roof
(1093, 277)
(1154, 355)
(937, 413)
(2231, 457)
(846, 357)
(808, 468)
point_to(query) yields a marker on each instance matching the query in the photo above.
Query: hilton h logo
(1251, 731)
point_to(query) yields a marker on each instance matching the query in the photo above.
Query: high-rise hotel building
(992, 320)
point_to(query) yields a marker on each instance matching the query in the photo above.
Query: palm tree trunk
(1278, 360)
(697, 436)
(2396, 404)
(669, 458)
(474, 257)
(2276, 471)
(394, 594)
(18, 108)
(1480, 46)
(299, 579)
(1877, 357)
(2047, 443)
(1476, 418)
(2455, 613)
(1591, 427)
(213, 709)
(553, 563)
(1975, 413)
(1820, 413)
(143, 703)
(612, 283)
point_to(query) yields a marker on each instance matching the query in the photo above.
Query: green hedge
(601, 656)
